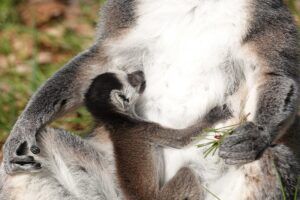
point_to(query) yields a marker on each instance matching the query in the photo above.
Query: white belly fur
(182, 46)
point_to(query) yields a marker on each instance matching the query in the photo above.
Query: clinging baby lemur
(137, 144)
(196, 55)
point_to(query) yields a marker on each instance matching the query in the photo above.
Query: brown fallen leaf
(39, 12)
(23, 68)
(44, 57)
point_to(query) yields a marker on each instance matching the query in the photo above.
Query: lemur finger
(12, 145)
(238, 155)
(22, 160)
(35, 149)
(32, 144)
(241, 147)
(232, 140)
(236, 162)
(12, 148)
(246, 127)
(35, 167)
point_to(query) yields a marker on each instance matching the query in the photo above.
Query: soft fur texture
(196, 55)
(75, 168)
(72, 169)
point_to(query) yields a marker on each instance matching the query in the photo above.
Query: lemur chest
(186, 49)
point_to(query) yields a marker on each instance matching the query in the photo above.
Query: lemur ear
(137, 79)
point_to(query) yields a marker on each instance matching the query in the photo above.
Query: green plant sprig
(220, 134)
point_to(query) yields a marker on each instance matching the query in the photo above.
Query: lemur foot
(16, 153)
(244, 145)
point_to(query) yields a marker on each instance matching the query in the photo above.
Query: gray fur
(272, 37)
(73, 168)
(116, 16)
(91, 165)
(288, 168)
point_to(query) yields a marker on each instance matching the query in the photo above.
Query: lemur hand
(19, 150)
(245, 144)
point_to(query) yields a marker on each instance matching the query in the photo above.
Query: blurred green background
(37, 37)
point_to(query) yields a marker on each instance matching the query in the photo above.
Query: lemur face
(114, 92)
(125, 98)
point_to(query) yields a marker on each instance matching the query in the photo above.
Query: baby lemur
(111, 99)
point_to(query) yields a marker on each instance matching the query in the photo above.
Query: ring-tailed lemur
(196, 55)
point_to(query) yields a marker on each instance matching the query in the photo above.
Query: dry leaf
(44, 57)
(40, 12)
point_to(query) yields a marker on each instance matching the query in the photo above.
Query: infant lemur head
(114, 92)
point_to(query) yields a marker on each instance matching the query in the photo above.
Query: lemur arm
(63, 92)
(277, 97)
(276, 105)
(274, 96)
(178, 138)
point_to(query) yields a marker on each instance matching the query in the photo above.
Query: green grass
(219, 135)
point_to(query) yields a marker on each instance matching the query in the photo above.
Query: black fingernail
(38, 165)
(261, 128)
(31, 158)
(34, 149)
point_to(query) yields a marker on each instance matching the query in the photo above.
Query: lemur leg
(273, 176)
(40, 186)
(82, 169)
(61, 93)
(72, 169)
(185, 185)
